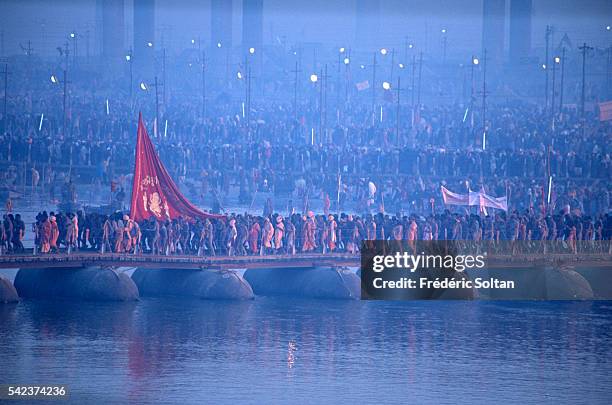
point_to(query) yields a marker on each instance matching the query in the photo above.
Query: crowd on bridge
(272, 233)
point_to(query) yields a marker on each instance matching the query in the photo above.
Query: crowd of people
(272, 233)
(279, 155)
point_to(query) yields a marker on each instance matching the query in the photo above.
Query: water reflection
(308, 350)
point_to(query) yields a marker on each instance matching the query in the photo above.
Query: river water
(311, 351)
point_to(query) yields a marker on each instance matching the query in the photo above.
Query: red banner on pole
(154, 193)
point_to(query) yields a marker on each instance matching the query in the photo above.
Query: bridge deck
(176, 262)
(83, 259)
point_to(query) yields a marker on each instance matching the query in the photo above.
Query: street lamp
(383, 51)
(150, 44)
(557, 59)
(218, 44)
(251, 50)
(143, 86)
(314, 78)
(192, 41)
(239, 75)
(544, 66)
(386, 85)
(362, 66)
(475, 61)
(347, 61)
(128, 59)
(56, 80)
(401, 65)
(342, 50)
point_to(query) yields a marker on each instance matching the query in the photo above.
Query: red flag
(154, 193)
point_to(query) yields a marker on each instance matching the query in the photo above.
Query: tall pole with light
(129, 59)
(556, 61)
(295, 89)
(314, 79)
(562, 79)
(73, 37)
(444, 42)
(473, 65)
(145, 87)
(584, 48)
(484, 100)
(203, 85)
(4, 117)
(56, 80)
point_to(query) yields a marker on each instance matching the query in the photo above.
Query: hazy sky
(46, 23)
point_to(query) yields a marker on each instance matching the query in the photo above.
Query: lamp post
(128, 59)
(314, 78)
(203, 85)
(556, 61)
(56, 80)
(73, 37)
(412, 87)
(474, 63)
(420, 76)
(295, 89)
(347, 62)
(584, 48)
(484, 100)
(145, 87)
(4, 117)
(444, 41)
(384, 52)
(562, 79)
(547, 38)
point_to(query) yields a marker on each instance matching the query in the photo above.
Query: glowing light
(342, 50)
(251, 50)
(410, 46)
(543, 65)
(347, 61)
(444, 30)
(193, 41)
(128, 57)
(362, 66)
(386, 85)
(475, 61)
(608, 28)
(143, 86)
(150, 44)
(218, 44)
(54, 79)
(314, 78)
(72, 35)
(557, 59)
(239, 75)
(401, 65)
(383, 51)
